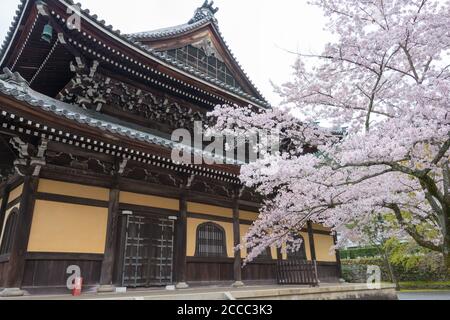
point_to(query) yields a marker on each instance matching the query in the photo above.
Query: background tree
(382, 233)
(387, 78)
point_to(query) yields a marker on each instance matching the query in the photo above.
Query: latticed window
(301, 253)
(265, 255)
(209, 65)
(9, 232)
(211, 241)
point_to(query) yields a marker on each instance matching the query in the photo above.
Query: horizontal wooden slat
(63, 256)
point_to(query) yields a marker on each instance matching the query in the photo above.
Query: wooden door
(148, 259)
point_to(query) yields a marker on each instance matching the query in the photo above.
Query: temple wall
(149, 201)
(209, 210)
(70, 223)
(15, 193)
(68, 228)
(248, 215)
(65, 227)
(323, 244)
(73, 190)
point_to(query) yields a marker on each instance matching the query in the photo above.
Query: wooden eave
(59, 123)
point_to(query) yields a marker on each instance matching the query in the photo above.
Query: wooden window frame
(223, 245)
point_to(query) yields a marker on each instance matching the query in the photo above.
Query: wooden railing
(297, 272)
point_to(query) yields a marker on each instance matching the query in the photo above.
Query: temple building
(88, 186)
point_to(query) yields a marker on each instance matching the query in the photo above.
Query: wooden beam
(338, 256)
(312, 245)
(120, 249)
(19, 249)
(106, 277)
(181, 240)
(237, 268)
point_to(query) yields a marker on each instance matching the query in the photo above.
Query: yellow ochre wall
(65, 227)
(248, 215)
(68, 228)
(73, 190)
(209, 210)
(323, 245)
(149, 201)
(15, 193)
(71, 228)
(243, 230)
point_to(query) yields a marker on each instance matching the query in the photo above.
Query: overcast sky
(258, 31)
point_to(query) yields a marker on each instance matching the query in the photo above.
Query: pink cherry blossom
(387, 79)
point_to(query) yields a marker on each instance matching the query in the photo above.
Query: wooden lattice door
(148, 259)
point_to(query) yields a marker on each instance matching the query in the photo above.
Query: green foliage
(420, 266)
(354, 253)
(425, 285)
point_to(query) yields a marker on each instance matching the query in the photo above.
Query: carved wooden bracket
(31, 159)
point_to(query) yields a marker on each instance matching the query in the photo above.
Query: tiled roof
(168, 32)
(134, 41)
(183, 28)
(13, 85)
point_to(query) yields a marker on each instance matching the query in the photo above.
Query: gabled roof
(202, 18)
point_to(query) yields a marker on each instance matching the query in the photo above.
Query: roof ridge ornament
(206, 11)
(14, 78)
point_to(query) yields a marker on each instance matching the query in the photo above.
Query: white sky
(258, 31)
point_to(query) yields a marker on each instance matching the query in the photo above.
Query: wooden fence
(297, 272)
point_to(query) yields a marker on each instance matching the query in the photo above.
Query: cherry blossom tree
(386, 78)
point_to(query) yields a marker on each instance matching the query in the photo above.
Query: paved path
(325, 291)
(424, 295)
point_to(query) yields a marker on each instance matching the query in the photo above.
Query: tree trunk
(446, 244)
(391, 271)
(447, 263)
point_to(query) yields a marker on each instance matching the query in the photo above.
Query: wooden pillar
(279, 255)
(338, 257)
(16, 265)
(181, 241)
(121, 248)
(106, 277)
(237, 268)
(312, 246)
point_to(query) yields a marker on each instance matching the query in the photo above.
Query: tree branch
(411, 230)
